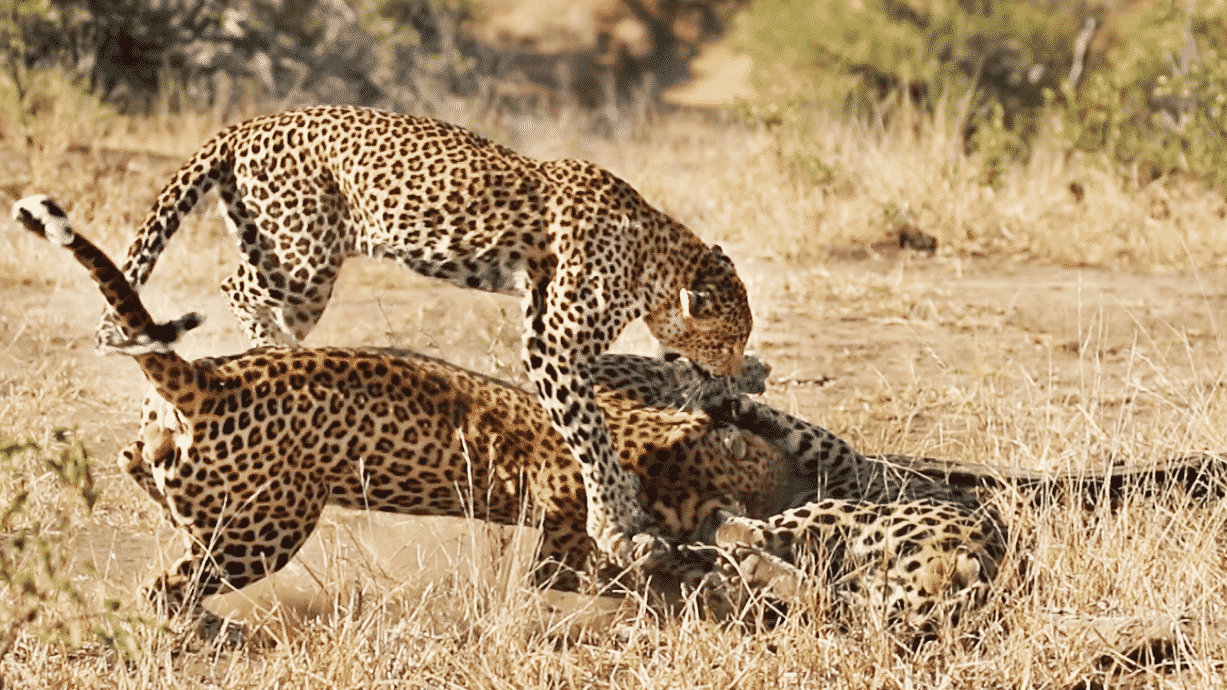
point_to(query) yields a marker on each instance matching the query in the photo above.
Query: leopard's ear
(713, 268)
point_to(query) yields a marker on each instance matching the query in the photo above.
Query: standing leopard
(304, 190)
(243, 452)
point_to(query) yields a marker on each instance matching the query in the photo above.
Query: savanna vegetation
(1057, 304)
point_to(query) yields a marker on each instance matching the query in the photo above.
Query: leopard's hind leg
(281, 287)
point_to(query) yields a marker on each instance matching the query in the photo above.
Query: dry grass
(1122, 366)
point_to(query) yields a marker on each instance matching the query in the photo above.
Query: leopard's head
(711, 320)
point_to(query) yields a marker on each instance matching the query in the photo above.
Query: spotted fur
(914, 562)
(893, 541)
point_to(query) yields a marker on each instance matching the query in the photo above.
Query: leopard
(302, 191)
(908, 546)
(244, 451)
(912, 563)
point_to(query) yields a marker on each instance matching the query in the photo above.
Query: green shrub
(1157, 105)
(1152, 98)
(859, 54)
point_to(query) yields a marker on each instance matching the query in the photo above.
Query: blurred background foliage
(1139, 85)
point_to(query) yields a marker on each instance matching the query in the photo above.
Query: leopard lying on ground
(304, 190)
(245, 451)
(904, 544)
(880, 492)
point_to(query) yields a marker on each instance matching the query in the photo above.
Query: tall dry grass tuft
(835, 183)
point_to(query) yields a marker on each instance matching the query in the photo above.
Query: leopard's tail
(148, 341)
(210, 166)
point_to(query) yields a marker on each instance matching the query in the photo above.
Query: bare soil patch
(908, 340)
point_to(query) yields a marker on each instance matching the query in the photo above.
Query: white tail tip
(41, 215)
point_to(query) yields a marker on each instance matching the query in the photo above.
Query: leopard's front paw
(647, 551)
